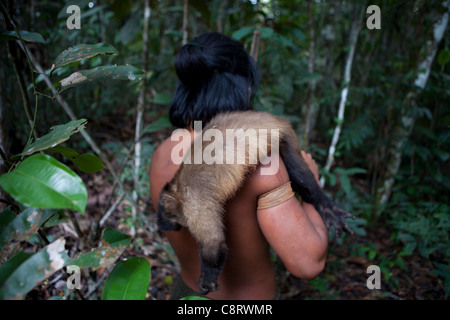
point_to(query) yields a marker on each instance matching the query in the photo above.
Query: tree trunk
(404, 127)
(312, 107)
(139, 115)
(356, 26)
(185, 21)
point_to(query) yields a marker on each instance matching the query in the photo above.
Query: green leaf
(26, 35)
(194, 298)
(332, 179)
(65, 151)
(113, 244)
(243, 32)
(41, 181)
(266, 32)
(115, 238)
(57, 218)
(406, 237)
(86, 162)
(444, 57)
(57, 135)
(409, 248)
(82, 52)
(24, 272)
(353, 171)
(23, 226)
(357, 226)
(7, 268)
(102, 73)
(345, 184)
(128, 280)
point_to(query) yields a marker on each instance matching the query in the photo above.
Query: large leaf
(86, 162)
(102, 73)
(7, 268)
(113, 244)
(128, 280)
(41, 181)
(266, 33)
(243, 32)
(82, 52)
(89, 163)
(57, 135)
(22, 226)
(23, 272)
(25, 35)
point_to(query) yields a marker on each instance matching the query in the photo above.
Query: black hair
(215, 75)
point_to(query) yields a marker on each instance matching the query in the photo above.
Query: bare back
(248, 272)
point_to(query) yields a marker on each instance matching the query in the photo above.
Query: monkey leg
(305, 184)
(212, 260)
(204, 220)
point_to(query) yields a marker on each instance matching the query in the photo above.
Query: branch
(72, 116)
(356, 26)
(403, 129)
(111, 210)
(185, 21)
(139, 113)
(13, 57)
(254, 50)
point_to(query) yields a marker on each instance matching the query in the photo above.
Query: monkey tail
(302, 179)
(305, 184)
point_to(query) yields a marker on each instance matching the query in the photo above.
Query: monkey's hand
(333, 216)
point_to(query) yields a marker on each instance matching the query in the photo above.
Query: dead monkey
(195, 198)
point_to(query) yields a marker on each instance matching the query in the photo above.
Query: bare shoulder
(162, 169)
(161, 154)
(260, 182)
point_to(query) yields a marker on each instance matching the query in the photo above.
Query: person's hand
(311, 164)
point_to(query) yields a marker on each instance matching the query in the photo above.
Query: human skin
(294, 230)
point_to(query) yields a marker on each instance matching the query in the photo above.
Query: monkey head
(170, 210)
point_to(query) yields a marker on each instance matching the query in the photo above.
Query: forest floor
(344, 276)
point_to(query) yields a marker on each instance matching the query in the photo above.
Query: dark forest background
(371, 105)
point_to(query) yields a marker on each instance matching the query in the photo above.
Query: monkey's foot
(205, 286)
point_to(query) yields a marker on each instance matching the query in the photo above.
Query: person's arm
(295, 231)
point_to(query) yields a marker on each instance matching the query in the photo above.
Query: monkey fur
(195, 198)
